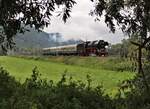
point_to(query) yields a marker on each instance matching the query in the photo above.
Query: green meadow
(21, 68)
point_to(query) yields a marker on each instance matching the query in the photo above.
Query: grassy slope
(106, 63)
(22, 68)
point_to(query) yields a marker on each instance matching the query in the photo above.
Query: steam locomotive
(88, 48)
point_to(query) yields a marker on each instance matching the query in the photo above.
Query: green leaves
(36, 93)
(16, 14)
(132, 16)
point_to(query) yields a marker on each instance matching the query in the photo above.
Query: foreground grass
(22, 68)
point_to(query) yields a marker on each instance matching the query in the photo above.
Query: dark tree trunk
(140, 60)
(140, 69)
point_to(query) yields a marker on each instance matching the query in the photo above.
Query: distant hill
(35, 39)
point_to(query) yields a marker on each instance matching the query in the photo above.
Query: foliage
(138, 97)
(115, 50)
(121, 49)
(16, 14)
(36, 93)
(131, 15)
(126, 49)
(7, 84)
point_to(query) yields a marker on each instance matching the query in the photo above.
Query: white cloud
(83, 26)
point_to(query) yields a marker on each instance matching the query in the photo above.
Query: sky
(83, 26)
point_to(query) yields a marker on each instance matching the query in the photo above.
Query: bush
(138, 96)
(8, 85)
(36, 93)
(118, 64)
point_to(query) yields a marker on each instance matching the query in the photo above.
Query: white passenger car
(61, 50)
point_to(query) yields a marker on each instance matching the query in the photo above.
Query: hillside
(35, 39)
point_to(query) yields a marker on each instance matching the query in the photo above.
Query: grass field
(105, 63)
(22, 68)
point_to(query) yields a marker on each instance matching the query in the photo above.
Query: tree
(120, 49)
(132, 16)
(16, 14)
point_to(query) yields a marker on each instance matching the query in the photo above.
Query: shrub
(138, 96)
(36, 93)
(8, 84)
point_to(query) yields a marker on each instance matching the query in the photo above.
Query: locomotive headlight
(106, 47)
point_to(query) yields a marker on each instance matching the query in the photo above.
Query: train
(88, 48)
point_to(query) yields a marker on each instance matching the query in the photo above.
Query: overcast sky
(83, 26)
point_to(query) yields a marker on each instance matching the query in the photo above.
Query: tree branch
(145, 42)
(135, 43)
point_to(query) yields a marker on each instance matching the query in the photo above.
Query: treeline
(126, 49)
